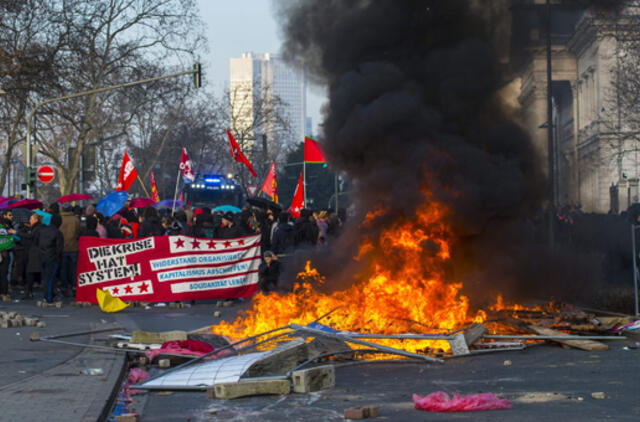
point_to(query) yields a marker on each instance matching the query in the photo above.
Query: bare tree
(29, 45)
(109, 42)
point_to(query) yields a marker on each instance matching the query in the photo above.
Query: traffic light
(30, 177)
(197, 75)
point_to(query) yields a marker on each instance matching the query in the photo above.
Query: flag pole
(304, 184)
(175, 194)
(143, 187)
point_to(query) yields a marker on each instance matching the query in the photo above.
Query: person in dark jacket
(27, 237)
(51, 246)
(203, 226)
(229, 229)
(151, 224)
(45, 252)
(284, 235)
(269, 272)
(113, 227)
(306, 229)
(91, 224)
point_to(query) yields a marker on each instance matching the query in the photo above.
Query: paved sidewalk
(43, 381)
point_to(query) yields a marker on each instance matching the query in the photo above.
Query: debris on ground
(361, 412)
(440, 401)
(92, 371)
(14, 319)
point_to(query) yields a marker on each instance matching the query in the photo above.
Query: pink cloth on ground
(136, 375)
(441, 402)
(181, 347)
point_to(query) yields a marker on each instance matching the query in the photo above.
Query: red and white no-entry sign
(45, 174)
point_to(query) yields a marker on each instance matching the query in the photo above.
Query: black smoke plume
(414, 103)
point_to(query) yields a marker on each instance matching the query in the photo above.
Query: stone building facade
(595, 160)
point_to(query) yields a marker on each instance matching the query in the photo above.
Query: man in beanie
(229, 229)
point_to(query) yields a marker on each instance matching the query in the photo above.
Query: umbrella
(142, 203)
(264, 203)
(74, 197)
(29, 204)
(21, 216)
(227, 208)
(168, 203)
(112, 203)
(46, 217)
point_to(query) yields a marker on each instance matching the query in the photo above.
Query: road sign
(252, 190)
(45, 174)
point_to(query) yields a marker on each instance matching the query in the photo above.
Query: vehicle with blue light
(212, 190)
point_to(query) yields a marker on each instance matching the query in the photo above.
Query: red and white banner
(185, 166)
(168, 268)
(128, 174)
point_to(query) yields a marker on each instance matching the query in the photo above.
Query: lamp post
(82, 94)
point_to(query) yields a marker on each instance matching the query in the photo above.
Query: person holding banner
(229, 229)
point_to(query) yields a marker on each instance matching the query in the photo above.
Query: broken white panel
(209, 373)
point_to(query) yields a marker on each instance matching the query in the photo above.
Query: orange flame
(404, 289)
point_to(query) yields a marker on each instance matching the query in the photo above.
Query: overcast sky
(238, 26)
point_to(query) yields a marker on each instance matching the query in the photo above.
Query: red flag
(154, 189)
(270, 186)
(237, 155)
(312, 151)
(181, 197)
(297, 203)
(128, 174)
(185, 166)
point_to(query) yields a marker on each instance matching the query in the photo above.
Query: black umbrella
(21, 216)
(264, 203)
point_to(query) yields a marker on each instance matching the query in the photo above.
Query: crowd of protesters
(44, 251)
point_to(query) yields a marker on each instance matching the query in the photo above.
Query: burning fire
(403, 290)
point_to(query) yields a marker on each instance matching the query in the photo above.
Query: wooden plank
(232, 390)
(589, 345)
(281, 360)
(474, 333)
(314, 379)
(151, 338)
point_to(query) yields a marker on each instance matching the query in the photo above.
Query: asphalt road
(543, 383)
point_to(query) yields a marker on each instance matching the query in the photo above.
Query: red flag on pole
(312, 151)
(237, 155)
(297, 203)
(154, 189)
(128, 173)
(270, 186)
(185, 166)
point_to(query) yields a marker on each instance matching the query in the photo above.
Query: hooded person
(284, 235)
(229, 228)
(151, 224)
(269, 272)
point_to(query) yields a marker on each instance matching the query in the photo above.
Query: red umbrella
(141, 203)
(74, 197)
(29, 204)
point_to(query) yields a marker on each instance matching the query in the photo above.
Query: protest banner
(168, 268)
